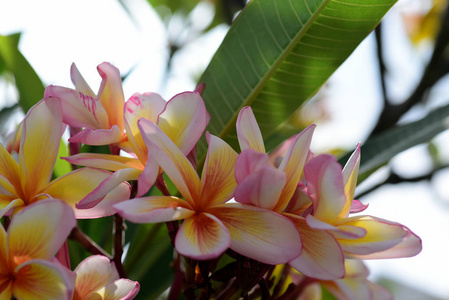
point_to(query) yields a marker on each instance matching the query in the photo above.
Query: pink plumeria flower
(101, 115)
(261, 183)
(210, 224)
(28, 269)
(330, 235)
(29, 180)
(97, 278)
(183, 119)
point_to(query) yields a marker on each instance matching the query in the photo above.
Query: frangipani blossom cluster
(288, 208)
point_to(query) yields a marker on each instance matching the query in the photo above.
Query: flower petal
(293, 165)
(148, 106)
(259, 234)
(39, 230)
(92, 274)
(122, 289)
(98, 137)
(321, 256)
(41, 136)
(102, 186)
(79, 110)
(148, 177)
(350, 172)
(248, 131)
(111, 94)
(357, 206)
(248, 162)
(381, 235)
(9, 172)
(41, 279)
(79, 82)
(3, 253)
(217, 180)
(339, 232)
(154, 209)
(325, 187)
(262, 188)
(184, 120)
(299, 202)
(104, 161)
(174, 163)
(202, 236)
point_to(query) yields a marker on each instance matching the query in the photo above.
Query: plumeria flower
(28, 269)
(261, 183)
(330, 235)
(210, 225)
(101, 115)
(183, 119)
(29, 180)
(97, 278)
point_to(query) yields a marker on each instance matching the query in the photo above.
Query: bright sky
(59, 32)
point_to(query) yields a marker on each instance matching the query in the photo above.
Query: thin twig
(87, 243)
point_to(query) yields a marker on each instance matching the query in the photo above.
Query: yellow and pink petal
(42, 279)
(184, 120)
(154, 209)
(38, 151)
(79, 82)
(88, 136)
(104, 161)
(111, 94)
(121, 289)
(350, 173)
(202, 236)
(258, 233)
(248, 131)
(174, 163)
(325, 187)
(321, 256)
(217, 179)
(79, 110)
(293, 165)
(92, 274)
(93, 185)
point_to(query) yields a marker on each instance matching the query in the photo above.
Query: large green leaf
(28, 83)
(379, 149)
(277, 54)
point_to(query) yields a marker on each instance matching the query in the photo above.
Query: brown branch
(435, 69)
(87, 243)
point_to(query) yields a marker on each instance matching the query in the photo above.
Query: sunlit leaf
(277, 54)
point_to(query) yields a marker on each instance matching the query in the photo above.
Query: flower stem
(87, 243)
(119, 228)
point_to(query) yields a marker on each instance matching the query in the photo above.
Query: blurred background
(164, 46)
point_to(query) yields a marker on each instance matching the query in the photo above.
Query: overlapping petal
(39, 230)
(154, 209)
(248, 131)
(121, 289)
(79, 82)
(325, 187)
(148, 106)
(38, 151)
(293, 165)
(76, 185)
(350, 172)
(217, 180)
(202, 236)
(98, 137)
(184, 120)
(111, 94)
(171, 159)
(258, 233)
(321, 256)
(79, 110)
(42, 279)
(104, 161)
(92, 274)
(9, 172)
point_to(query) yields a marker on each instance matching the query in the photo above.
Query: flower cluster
(289, 208)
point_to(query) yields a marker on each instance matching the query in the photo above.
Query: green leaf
(379, 149)
(276, 56)
(28, 84)
(62, 166)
